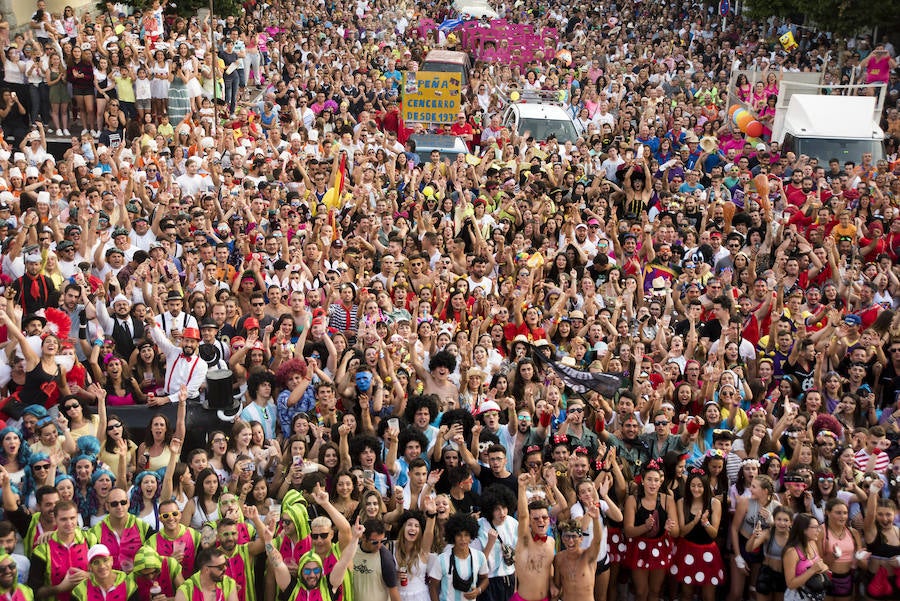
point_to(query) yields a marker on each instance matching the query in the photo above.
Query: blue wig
(136, 505)
(24, 450)
(88, 445)
(28, 482)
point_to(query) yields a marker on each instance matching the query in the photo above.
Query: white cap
(488, 406)
(4, 154)
(102, 149)
(32, 172)
(19, 156)
(120, 298)
(314, 135)
(99, 550)
(33, 258)
(15, 172)
(295, 136)
(43, 198)
(78, 161)
(207, 142)
(97, 172)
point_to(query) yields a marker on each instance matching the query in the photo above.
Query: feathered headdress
(58, 322)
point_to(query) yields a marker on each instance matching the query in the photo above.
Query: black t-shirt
(469, 504)
(487, 479)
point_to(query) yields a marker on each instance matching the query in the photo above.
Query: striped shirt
(344, 319)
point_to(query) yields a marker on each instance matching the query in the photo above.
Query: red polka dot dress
(697, 561)
(654, 550)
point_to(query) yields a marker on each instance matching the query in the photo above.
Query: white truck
(829, 126)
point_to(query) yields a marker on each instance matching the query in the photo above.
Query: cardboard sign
(431, 97)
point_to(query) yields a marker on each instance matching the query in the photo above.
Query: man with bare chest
(534, 554)
(574, 567)
(437, 380)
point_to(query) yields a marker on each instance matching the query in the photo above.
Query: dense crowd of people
(628, 366)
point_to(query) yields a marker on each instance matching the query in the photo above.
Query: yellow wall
(18, 12)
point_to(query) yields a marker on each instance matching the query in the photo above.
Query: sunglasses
(826, 480)
(121, 503)
(658, 424)
(170, 514)
(112, 426)
(70, 407)
(218, 567)
(576, 410)
(41, 466)
(313, 571)
(10, 567)
(374, 543)
(320, 535)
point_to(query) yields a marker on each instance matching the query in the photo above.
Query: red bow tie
(539, 538)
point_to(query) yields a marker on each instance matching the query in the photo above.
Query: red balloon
(754, 129)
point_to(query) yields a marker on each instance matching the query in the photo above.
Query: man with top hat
(10, 589)
(173, 320)
(185, 370)
(60, 563)
(103, 582)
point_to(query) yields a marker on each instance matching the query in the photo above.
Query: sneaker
(66, 132)
(95, 133)
(59, 132)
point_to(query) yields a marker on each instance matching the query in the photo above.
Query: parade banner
(431, 97)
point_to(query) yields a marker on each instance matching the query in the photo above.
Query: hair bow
(580, 451)
(560, 439)
(699, 471)
(653, 464)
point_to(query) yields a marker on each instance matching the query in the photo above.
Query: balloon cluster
(745, 121)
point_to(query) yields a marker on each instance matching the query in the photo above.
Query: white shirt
(509, 534)
(168, 322)
(189, 372)
(440, 571)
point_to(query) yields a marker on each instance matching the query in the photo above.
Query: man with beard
(35, 291)
(240, 557)
(311, 571)
(185, 370)
(122, 327)
(10, 588)
(173, 535)
(210, 580)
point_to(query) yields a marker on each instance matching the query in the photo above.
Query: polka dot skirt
(697, 565)
(649, 553)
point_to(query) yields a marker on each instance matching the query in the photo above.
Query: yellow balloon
(514, 96)
(428, 191)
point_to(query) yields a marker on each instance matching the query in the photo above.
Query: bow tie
(539, 538)
(185, 357)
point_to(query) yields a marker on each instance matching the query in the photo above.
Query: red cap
(191, 333)
(251, 323)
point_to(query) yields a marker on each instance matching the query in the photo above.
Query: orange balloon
(754, 129)
(734, 107)
(743, 120)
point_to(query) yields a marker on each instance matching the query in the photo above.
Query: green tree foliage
(842, 17)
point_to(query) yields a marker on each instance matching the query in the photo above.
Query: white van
(540, 120)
